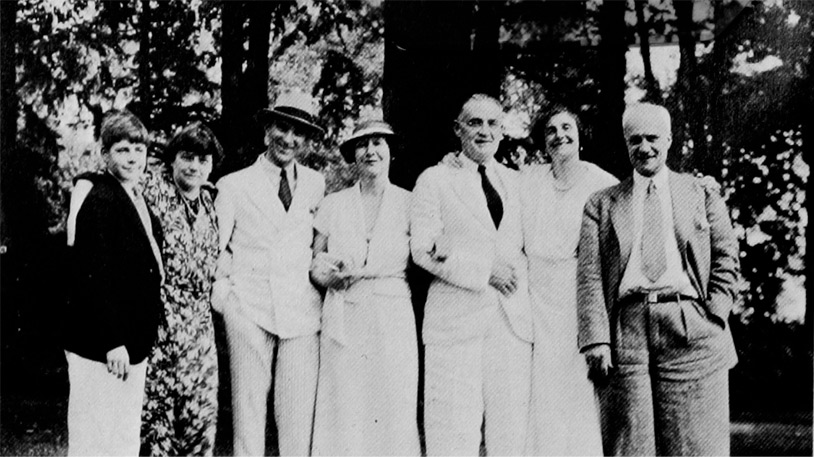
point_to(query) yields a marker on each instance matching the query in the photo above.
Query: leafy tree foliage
(178, 88)
(760, 148)
(79, 59)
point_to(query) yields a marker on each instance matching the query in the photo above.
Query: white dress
(564, 417)
(368, 375)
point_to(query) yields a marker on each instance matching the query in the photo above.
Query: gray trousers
(670, 393)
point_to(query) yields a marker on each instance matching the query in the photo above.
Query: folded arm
(465, 264)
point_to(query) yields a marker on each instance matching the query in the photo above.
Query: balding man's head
(648, 137)
(655, 116)
(479, 127)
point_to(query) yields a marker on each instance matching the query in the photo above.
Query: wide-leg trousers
(670, 394)
(481, 381)
(251, 354)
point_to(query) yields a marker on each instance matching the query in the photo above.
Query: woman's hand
(340, 280)
(332, 271)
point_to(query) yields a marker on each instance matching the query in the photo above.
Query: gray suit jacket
(706, 242)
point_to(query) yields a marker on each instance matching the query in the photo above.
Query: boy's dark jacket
(115, 299)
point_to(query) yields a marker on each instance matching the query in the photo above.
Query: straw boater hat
(294, 106)
(363, 129)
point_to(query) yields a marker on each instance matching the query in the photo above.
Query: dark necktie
(654, 257)
(493, 201)
(285, 190)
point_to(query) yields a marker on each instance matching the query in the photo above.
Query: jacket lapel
(301, 194)
(622, 219)
(680, 196)
(264, 195)
(472, 198)
(135, 219)
(683, 198)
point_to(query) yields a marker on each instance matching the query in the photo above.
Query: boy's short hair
(197, 139)
(121, 125)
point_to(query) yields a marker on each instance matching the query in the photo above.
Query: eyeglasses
(476, 123)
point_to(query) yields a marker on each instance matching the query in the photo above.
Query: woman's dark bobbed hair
(197, 139)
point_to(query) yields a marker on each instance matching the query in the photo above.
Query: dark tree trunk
(612, 28)
(692, 110)
(651, 86)
(254, 85)
(145, 99)
(427, 52)
(233, 55)
(9, 154)
(8, 97)
(243, 92)
(486, 68)
(256, 78)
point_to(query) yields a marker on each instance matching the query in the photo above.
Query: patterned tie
(492, 197)
(654, 258)
(285, 190)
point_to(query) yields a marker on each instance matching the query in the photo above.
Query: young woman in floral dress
(181, 398)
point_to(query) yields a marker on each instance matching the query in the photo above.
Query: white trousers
(251, 355)
(486, 379)
(104, 412)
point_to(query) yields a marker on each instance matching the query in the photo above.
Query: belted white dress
(368, 374)
(563, 419)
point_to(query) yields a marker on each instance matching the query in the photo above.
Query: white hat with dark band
(294, 106)
(363, 129)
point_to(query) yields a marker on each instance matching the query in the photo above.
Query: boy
(116, 305)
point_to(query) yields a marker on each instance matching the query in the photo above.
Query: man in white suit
(466, 231)
(265, 214)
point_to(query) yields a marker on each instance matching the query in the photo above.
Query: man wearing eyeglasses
(465, 230)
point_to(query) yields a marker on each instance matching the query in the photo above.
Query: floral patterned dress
(181, 396)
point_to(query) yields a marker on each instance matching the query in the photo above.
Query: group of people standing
(556, 323)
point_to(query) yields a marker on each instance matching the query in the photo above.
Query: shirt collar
(275, 170)
(132, 191)
(469, 164)
(660, 178)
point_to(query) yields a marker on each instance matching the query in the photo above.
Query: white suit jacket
(266, 251)
(448, 203)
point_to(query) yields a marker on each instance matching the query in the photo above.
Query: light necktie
(285, 190)
(493, 201)
(144, 215)
(654, 257)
